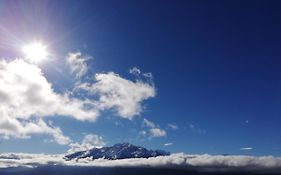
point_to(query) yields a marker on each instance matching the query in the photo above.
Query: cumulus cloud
(90, 141)
(26, 96)
(77, 64)
(203, 162)
(124, 96)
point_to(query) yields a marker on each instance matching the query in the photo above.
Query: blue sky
(215, 67)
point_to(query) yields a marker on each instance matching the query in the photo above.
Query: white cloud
(27, 98)
(25, 94)
(205, 162)
(246, 149)
(168, 144)
(117, 93)
(77, 64)
(90, 141)
(154, 131)
(173, 126)
(157, 132)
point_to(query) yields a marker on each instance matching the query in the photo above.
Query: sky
(184, 76)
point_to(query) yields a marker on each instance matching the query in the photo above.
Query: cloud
(203, 163)
(135, 71)
(157, 132)
(246, 149)
(77, 64)
(120, 94)
(90, 141)
(26, 97)
(168, 144)
(173, 126)
(154, 131)
(148, 123)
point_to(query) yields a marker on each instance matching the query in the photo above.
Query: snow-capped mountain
(117, 151)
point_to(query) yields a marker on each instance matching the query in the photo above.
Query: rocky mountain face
(117, 151)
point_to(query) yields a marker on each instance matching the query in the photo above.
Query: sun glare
(35, 52)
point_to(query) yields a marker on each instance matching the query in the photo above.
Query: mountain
(117, 151)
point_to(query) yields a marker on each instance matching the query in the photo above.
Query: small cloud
(157, 132)
(135, 71)
(168, 144)
(173, 126)
(148, 123)
(77, 64)
(246, 149)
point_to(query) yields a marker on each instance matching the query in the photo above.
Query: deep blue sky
(216, 66)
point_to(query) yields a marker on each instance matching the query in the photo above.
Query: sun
(35, 52)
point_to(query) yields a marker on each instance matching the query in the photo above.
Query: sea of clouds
(181, 161)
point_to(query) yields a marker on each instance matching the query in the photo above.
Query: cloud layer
(203, 162)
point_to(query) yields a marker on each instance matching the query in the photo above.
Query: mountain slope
(117, 151)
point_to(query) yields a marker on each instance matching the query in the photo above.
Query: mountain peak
(118, 151)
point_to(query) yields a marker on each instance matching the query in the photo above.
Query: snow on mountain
(117, 151)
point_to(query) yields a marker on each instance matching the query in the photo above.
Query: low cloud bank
(179, 161)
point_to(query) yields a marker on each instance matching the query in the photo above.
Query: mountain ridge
(118, 151)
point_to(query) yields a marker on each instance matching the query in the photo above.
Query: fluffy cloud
(117, 93)
(77, 64)
(203, 163)
(89, 141)
(26, 96)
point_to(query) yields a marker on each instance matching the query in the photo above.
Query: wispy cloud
(195, 129)
(168, 144)
(173, 126)
(77, 64)
(246, 148)
(154, 130)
